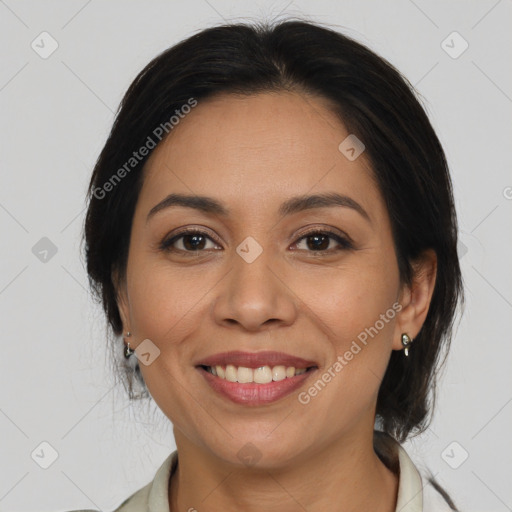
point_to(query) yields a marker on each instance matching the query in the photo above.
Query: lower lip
(253, 394)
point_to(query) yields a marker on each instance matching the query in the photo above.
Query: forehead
(254, 150)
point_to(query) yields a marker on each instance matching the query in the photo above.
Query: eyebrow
(290, 206)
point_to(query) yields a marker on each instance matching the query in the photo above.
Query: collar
(410, 487)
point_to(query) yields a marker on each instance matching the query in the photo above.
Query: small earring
(127, 350)
(406, 342)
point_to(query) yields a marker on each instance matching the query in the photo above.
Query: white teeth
(244, 374)
(261, 375)
(278, 373)
(231, 373)
(220, 372)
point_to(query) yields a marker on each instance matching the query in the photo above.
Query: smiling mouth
(256, 386)
(261, 375)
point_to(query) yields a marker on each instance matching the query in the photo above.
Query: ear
(121, 299)
(415, 298)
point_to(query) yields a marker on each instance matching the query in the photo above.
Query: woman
(271, 229)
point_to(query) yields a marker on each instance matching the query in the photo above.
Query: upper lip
(255, 359)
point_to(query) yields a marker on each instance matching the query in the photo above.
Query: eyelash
(345, 243)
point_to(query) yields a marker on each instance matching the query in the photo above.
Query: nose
(254, 295)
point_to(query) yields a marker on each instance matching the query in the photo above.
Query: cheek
(354, 309)
(163, 299)
(358, 322)
(352, 299)
(164, 304)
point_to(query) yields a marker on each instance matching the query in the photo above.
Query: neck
(346, 475)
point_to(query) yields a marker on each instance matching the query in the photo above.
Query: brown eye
(194, 241)
(319, 241)
(190, 240)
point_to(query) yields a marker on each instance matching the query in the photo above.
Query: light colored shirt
(415, 492)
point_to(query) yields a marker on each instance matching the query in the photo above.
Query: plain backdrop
(56, 111)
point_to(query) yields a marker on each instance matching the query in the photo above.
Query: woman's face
(252, 280)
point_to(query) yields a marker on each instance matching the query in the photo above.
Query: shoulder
(137, 502)
(154, 495)
(418, 489)
(435, 498)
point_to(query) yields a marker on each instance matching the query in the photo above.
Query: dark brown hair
(373, 100)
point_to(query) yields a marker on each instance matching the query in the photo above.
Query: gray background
(56, 384)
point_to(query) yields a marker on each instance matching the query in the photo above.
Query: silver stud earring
(127, 350)
(406, 342)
